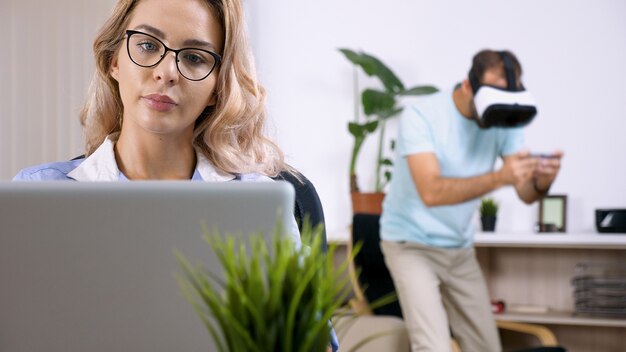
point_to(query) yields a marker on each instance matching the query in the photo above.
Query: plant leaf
(420, 90)
(357, 130)
(387, 162)
(371, 126)
(374, 67)
(376, 102)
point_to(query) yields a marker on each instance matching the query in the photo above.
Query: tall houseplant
(378, 106)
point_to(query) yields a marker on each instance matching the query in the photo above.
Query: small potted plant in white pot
(488, 214)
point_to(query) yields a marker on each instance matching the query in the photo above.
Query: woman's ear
(114, 69)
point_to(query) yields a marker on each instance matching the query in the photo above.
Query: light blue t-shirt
(463, 150)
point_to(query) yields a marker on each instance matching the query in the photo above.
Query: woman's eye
(147, 46)
(194, 58)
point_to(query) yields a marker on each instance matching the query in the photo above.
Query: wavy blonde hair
(230, 133)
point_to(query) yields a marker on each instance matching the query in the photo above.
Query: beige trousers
(442, 290)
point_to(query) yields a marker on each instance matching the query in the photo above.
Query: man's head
(493, 93)
(488, 68)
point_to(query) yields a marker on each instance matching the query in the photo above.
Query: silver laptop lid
(90, 266)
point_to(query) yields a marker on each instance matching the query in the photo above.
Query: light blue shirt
(434, 125)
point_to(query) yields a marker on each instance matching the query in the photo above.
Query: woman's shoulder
(49, 171)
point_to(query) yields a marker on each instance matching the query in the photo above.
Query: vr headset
(497, 107)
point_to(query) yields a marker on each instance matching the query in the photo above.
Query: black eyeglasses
(147, 51)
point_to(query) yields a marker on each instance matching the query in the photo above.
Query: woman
(157, 113)
(174, 97)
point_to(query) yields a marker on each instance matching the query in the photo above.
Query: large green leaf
(361, 130)
(355, 129)
(374, 67)
(359, 60)
(376, 102)
(420, 90)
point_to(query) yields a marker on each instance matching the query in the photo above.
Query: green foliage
(281, 301)
(488, 207)
(378, 106)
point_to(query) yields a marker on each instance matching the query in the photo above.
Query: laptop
(90, 266)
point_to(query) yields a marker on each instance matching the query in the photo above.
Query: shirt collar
(101, 166)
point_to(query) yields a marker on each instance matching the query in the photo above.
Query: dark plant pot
(489, 223)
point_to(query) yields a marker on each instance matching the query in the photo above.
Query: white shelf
(551, 240)
(527, 240)
(340, 237)
(560, 318)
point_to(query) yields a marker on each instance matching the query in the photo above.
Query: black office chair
(374, 282)
(374, 279)
(307, 201)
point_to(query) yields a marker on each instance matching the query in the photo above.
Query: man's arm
(436, 190)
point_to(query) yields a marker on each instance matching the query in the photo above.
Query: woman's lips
(161, 103)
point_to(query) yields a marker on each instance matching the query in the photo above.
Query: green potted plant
(262, 302)
(488, 214)
(378, 106)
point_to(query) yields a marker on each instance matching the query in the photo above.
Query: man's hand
(546, 170)
(531, 176)
(518, 169)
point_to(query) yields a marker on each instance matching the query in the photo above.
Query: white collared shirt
(102, 166)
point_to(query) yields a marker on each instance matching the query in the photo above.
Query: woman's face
(159, 99)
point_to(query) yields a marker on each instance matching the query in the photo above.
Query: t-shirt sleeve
(415, 133)
(511, 141)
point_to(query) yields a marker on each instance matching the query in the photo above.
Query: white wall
(573, 54)
(45, 67)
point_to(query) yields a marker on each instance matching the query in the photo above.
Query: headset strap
(473, 79)
(509, 70)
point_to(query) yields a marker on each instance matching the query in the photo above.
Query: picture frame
(553, 213)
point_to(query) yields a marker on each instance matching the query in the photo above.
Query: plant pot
(488, 223)
(367, 203)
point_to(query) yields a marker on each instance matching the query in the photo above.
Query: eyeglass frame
(130, 32)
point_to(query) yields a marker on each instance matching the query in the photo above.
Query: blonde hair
(230, 133)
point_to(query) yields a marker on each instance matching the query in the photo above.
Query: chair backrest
(307, 201)
(374, 277)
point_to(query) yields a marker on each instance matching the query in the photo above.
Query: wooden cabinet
(535, 271)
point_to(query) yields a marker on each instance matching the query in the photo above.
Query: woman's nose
(167, 69)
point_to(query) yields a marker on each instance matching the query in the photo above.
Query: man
(445, 163)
